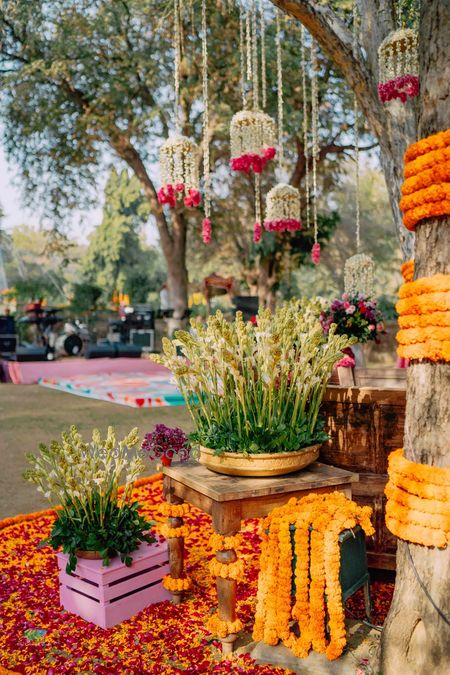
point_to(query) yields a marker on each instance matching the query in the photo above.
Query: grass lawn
(30, 414)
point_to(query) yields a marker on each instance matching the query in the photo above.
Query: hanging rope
(314, 130)
(263, 54)
(177, 41)
(305, 128)
(257, 227)
(206, 158)
(255, 58)
(242, 55)
(279, 92)
(356, 136)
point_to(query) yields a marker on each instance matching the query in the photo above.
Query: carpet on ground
(29, 372)
(37, 637)
(137, 390)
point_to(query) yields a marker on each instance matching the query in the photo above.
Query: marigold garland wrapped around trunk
(318, 520)
(418, 506)
(424, 318)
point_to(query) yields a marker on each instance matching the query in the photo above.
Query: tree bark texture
(415, 638)
(392, 124)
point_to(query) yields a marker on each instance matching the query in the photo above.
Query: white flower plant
(83, 479)
(256, 388)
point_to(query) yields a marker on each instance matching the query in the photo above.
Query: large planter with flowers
(254, 390)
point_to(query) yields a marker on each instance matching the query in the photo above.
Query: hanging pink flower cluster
(315, 253)
(402, 87)
(285, 225)
(347, 361)
(206, 231)
(168, 195)
(251, 160)
(257, 232)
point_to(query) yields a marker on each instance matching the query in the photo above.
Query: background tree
(118, 259)
(415, 635)
(81, 80)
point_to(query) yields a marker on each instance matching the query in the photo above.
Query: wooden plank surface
(227, 488)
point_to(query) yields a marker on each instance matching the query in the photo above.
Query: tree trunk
(268, 276)
(415, 638)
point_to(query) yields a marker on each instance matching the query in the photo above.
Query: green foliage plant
(256, 388)
(84, 479)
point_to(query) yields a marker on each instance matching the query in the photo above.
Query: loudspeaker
(7, 325)
(31, 354)
(101, 351)
(128, 351)
(8, 344)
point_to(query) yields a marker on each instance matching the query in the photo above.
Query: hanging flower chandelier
(283, 209)
(179, 159)
(252, 137)
(398, 61)
(358, 275)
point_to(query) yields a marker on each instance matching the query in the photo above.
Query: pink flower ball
(257, 232)
(206, 231)
(315, 253)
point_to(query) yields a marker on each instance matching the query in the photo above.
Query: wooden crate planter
(365, 423)
(108, 595)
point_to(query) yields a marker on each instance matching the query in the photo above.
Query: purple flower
(164, 442)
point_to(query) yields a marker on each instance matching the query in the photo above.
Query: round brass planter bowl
(266, 464)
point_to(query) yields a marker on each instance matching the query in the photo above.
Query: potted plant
(254, 391)
(96, 518)
(165, 442)
(356, 316)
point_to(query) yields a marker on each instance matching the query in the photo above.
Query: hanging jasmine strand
(242, 55)
(257, 228)
(315, 252)
(206, 225)
(305, 127)
(177, 40)
(248, 38)
(356, 133)
(255, 66)
(280, 92)
(263, 55)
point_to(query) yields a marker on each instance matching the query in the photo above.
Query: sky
(81, 224)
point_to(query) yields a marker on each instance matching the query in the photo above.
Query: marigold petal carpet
(37, 637)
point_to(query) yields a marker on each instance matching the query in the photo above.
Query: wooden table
(231, 499)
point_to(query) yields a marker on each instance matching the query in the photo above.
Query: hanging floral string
(279, 91)
(178, 156)
(359, 268)
(206, 224)
(177, 40)
(242, 55)
(263, 54)
(257, 228)
(248, 40)
(305, 126)
(315, 251)
(255, 65)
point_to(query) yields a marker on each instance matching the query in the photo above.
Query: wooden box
(365, 423)
(109, 595)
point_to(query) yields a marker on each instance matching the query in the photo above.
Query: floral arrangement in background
(256, 388)
(252, 140)
(84, 478)
(178, 158)
(354, 315)
(398, 60)
(165, 442)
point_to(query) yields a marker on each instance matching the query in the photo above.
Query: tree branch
(336, 40)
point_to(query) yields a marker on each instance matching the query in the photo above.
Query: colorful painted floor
(138, 390)
(37, 637)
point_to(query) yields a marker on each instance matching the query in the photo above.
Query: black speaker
(101, 351)
(31, 354)
(128, 351)
(7, 325)
(8, 344)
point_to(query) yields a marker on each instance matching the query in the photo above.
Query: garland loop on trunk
(426, 190)
(418, 506)
(424, 317)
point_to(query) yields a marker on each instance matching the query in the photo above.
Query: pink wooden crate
(108, 595)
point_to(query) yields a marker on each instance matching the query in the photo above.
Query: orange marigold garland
(233, 570)
(407, 270)
(174, 510)
(424, 318)
(176, 585)
(318, 521)
(426, 190)
(418, 506)
(220, 543)
(222, 628)
(173, 532)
